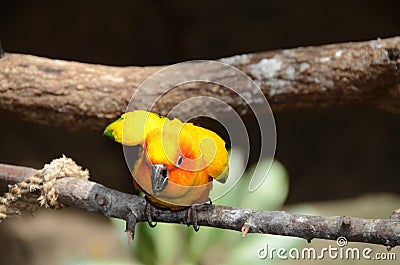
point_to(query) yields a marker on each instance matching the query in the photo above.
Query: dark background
(330, 153)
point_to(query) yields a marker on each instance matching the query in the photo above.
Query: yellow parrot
(177, 161)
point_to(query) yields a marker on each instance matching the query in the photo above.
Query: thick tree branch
(85, 96)
(93, 197)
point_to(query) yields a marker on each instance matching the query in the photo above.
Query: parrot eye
(179, 161)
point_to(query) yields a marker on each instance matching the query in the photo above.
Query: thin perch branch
(83, 96)
(93, 197)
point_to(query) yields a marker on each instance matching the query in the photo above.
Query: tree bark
(81, 96)
(94, 197)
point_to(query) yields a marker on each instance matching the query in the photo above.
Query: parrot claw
(192, 217)
(192, 214)
(149, 212)
(151, 224)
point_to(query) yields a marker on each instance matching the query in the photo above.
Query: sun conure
(177, 161)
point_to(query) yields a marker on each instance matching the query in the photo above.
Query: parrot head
(178, 160)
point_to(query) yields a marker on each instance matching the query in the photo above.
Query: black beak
(159, 177)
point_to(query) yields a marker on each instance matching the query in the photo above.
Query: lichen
(301, 219)
(290, 72)
(304, 66)
(338, 53)
(237, 59)
(277, 87)
(324, 59)
(289, 53)
(376, 44)
(113, 78)
(266, 68)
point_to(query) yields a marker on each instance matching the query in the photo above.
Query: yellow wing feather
(133, 128)
(213, 150)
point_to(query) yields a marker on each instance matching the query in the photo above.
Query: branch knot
(345, 226)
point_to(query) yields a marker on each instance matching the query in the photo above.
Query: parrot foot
(192, 217)
(192, 214)
(149, 210)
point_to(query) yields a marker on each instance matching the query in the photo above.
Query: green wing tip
(109, 133)
(222, 180)
(224, 176)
